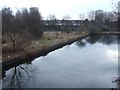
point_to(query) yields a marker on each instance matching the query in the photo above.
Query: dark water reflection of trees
(103, 39)
(18, 76)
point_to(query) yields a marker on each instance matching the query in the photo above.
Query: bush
(91, 28)
(36, 32)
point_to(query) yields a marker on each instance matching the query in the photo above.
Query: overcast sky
(60, 8)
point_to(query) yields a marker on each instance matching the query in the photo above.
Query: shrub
(36, 32)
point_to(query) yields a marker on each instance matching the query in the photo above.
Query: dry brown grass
(30, 46)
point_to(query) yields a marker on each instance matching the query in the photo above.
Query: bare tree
(25, 21)
(115, 6)
(52, 18)
(67, 17)
(81, 16)
(116, 10)
(8, 22)
(91, 15)
(35, 27)
(19, 21)
(25, 18)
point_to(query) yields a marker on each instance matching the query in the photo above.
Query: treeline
(27, 22)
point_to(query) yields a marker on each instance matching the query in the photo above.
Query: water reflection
(81, 43)
(17, 76)
(108, 40)
(93, 39)
(104, 39)
(91, 62)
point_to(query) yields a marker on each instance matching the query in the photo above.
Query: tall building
(99, 15)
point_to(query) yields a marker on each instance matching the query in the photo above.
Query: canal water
(88, 63)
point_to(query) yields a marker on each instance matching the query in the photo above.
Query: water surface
(88, 63)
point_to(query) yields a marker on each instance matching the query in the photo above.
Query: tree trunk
(13, 43)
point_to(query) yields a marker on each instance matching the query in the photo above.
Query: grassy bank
(30, 46)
